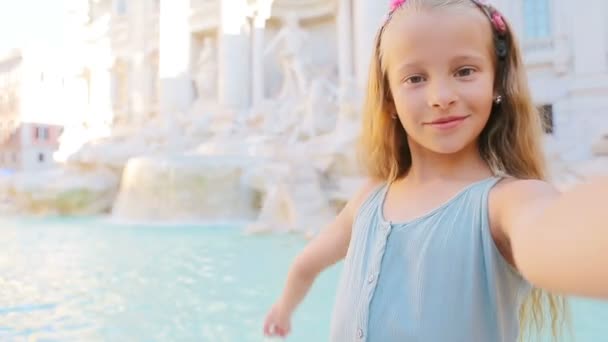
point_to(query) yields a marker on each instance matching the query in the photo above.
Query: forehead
(436, 35)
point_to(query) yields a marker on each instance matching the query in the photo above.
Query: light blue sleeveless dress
(438, 278)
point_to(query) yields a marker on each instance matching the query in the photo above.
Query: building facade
(27, 140)
(566, 53)
(565, 49)
(141, 59)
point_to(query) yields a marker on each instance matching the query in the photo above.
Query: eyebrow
(465, 58)
(457, 59)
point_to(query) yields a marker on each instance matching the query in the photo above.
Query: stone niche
(318, 50)
(600, 148)
(204, 64)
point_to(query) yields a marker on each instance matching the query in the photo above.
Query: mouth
(447, 122)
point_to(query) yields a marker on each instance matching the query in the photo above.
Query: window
(120, 6)
(546, 113)
(41, 133)
(537, 19)
(41, 157)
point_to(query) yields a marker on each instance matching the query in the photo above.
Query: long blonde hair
(510, 142)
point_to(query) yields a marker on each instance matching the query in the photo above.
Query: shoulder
(348, 213)
(513, 201)
(514, 191)
(365, 190)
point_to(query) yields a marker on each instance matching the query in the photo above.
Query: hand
(277, 322)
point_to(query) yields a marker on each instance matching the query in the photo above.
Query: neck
(464, 165)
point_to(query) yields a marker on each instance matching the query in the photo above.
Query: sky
(24, 22)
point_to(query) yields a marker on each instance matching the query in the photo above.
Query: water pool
(90, 280)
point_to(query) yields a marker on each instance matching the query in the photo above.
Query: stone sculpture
(206, 71)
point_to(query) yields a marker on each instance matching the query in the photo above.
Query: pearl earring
(498, 99)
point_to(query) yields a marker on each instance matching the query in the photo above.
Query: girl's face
(440, 69)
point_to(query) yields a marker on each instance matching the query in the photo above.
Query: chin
(448, 148)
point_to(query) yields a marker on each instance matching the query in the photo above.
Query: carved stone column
(234, 55)
(589, 37)
(368, 15)
(174, 57)
(562, 49)
(139, 71)
(344, 25)
(259, 26)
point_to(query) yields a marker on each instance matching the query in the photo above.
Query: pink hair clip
(396, 4)
(499, 23)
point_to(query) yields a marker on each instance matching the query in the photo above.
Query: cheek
(411, 106)
(488, 89)
(485, 106)
(480, 99)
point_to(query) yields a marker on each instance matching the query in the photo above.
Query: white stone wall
(579, 123)
(568, 69)
(30, 158)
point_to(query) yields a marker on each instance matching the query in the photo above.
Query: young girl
(456, 232)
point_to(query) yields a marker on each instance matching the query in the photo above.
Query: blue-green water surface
(92, 280)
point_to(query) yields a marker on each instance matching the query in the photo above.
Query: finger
(267, 328)
(273, 329)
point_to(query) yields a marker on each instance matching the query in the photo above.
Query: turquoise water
(90, 280)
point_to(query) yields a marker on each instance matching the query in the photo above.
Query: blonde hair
(510, 142)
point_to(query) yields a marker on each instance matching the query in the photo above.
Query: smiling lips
(447, 122)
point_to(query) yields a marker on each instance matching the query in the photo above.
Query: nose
(441, 94)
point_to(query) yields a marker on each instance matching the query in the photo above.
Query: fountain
(287, 163)
(183, 188)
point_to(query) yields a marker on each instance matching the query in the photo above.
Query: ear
(389, 103)
(497, 92)
(391, 110)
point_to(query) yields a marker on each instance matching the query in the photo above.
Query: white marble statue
(320, 100)
(290, 42)
(206, 71)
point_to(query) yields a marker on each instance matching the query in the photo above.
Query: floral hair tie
(498, 24)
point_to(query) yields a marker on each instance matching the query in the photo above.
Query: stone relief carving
(206, 71)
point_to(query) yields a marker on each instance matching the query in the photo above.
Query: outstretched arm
(559, 241)
(324, 250)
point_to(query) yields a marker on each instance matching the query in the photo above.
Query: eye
(464, 72)
(414, 79)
